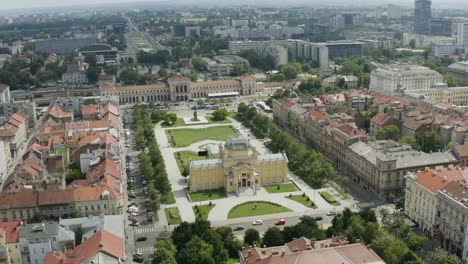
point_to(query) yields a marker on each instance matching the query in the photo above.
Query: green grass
(185, 158)
(208, 195)
(169, 198)
(256, 208)
(180, 122)
(329, 198)
(285, 187)
(186, 136)
(173, 216)
(338, 189)
(305, 200)
(203, 211)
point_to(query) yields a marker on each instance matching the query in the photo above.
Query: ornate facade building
(179, 88)
(238, 166)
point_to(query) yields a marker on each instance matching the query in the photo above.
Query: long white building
(389, 78)
(462, 34)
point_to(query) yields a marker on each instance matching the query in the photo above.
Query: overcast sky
(14, 4)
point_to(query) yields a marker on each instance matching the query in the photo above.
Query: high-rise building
(393, 12)
(462, 34)
(422, 16)
(441, 26)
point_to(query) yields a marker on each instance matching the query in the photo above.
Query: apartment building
(263, 48)
(380, 166)
(318, 53)
(441, 93)
(452, 216)
(180, 88)
(421, 194)
(15, 132)
(225, 65)
(389, 78)
(10, 252)
(36, 240)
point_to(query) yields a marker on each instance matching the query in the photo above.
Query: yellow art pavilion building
(239, 166)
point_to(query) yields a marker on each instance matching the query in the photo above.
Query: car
(149, 209)
(131, 195)
(135, 224)
(238, 228)
(138, 259)
(149, 218)
(331, 213)
(143, 182)
(137, 255)
(318, 218)
(257, 222)
(141, 239)
(280, 222)
(132, 205)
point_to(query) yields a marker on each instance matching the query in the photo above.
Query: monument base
(201, 120)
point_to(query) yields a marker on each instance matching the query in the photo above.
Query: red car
(280, 222)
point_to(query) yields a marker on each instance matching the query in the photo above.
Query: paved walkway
(176, 179)
(219, 214)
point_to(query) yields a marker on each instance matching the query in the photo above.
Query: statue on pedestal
(195, 116)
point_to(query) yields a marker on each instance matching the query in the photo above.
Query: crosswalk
(145, 250)
(145, 230)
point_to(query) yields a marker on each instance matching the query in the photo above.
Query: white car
(257, 222)
(331, 213)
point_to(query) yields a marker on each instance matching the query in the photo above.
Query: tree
(273, 237)
(197, 63)
(92, 74)
(91, 59)
(220, 114)
(429, 141)
(389, 132)
(90, 101)
(230, 242)
(312, 86)
(157, 116)
(415, 242)
(196, 251)
(193, 77)
(216, 241)
(279, 77)
(170, 118)
(440, 256)
(239, 70)
(410, 140)
(289, 71)
(128, 76)
(451, 82)
(251, 237)
(73, 174)
(164, 252)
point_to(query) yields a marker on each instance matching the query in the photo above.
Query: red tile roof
(381, 119)
(21, 199)
(87, 110)
(318, 116)
(103, 241)
(58, 112)
(434, 180)
(288, 104)
(10, 231)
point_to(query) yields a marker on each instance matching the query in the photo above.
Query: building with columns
(239, 166)
(179, 88)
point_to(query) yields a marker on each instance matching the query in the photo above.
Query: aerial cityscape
(250, 132)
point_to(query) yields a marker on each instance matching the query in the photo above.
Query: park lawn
(185, 158)
(173, 216)
(329, 198)
(232, 261)
(203, 211)
(303, 200)
(208, 195)
(186, 136)
(338, 189)
(169, 198)
(262, 208)
(178, 122)
(285, 187)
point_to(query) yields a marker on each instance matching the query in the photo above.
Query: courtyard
(293, 198)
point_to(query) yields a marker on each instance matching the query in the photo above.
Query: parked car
(141, 239)
(238, 228)
(331, 213)
(138, 254)
(280, 222)
(135, 224)
(132, 195)
(318, 218)
(257, 222)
